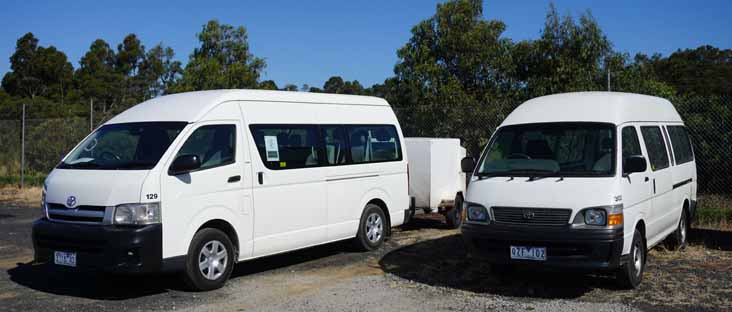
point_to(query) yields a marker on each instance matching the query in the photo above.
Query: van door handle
(260, 177)
(234, 179)
(646, 179)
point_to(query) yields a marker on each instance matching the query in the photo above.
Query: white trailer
(436, 181)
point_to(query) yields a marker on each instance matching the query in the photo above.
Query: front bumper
(101, 247)
(566, 246)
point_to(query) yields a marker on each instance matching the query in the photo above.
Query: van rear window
(681, 144)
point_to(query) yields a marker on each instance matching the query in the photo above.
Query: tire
(629, 275)
(454, 217)
(427, 210)
(211, 276)
(372, 229)
(677, 239)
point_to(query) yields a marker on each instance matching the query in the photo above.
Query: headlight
(477, 213)
(595, 217)
(603, 215)
(137, 214)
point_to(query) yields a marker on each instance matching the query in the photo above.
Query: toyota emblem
(71, 201)
(528, 214)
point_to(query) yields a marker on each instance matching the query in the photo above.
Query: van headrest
(539, 149)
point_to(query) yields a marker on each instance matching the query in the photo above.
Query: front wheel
(454, 217)
(210, 260)
(372, 228)
(629, 276)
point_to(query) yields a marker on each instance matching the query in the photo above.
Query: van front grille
(83, 213)
(534, 216)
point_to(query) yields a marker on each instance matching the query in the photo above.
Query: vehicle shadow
(57, 280)
(443, 262)
(712, 239)
(422, 221)
(50, 278)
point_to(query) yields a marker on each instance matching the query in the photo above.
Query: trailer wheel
(454, 216)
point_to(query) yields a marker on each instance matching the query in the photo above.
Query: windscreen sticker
(271, 148)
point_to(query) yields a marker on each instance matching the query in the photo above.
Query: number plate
(64, 258)
(528, 253)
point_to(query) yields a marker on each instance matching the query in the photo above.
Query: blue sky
(305, 42)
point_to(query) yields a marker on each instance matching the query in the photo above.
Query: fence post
(22, 149)
(91, 115)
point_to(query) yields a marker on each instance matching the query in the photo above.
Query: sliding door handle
(234, 179)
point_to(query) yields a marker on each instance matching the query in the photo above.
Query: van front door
(289, 188)
(219, 189)
(661, 182)
(636, 188)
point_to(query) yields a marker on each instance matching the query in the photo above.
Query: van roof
(192, 106)
(611, 107)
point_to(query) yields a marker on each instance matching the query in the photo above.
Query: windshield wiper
(81, 165)
(533, 174)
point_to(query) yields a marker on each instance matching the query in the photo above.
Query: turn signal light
(615, 219)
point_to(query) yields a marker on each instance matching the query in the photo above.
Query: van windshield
(128, 146)
(551, 149)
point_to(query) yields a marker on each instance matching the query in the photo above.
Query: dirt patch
(27, 197)
(698, 278)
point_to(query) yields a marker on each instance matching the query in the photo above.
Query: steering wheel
(518, 156)
(107, 155)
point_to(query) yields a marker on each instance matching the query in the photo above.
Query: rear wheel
(210, 260)
(629, 275)
(372, 228)
(454, 217)
(677, 239)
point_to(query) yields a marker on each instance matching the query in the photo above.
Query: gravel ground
(421, 268)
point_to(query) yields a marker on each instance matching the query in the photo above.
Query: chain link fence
(709, 120)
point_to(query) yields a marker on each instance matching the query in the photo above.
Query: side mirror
(467, 164)
(634, 163)
(184, 163)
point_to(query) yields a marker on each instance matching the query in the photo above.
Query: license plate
(528, 253)
(64, 258)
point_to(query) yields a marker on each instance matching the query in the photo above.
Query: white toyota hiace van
(586, 180)
(196, 182)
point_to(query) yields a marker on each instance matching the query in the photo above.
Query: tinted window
(681, 144)
(656, 147)
(584, 149)
(631, 145)
(214, 145)
(334, 138)
(374, 143)
(124, 146)
(287, 146)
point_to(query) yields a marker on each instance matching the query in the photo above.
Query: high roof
(611, 107)
(191, 106)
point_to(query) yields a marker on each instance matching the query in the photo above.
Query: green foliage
(37, 71)
(223, 61)
(702, 71)
(337, 85)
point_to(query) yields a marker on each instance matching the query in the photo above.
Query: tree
(337, 85)
(223, 61)
(569, 56)
(268, 85)
(454, 74)
(37, 71)
(97, 77)
(159, 71)
(706, 70)
(129, 58)
(290, 87)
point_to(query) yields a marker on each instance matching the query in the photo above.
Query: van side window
(681, 144)
(374, 143)
(287, 146)
(656, 147)
(335, 144)
(631, 145)
(214, 145)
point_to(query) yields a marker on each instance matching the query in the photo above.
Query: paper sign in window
(271, 148)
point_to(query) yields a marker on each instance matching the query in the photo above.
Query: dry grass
(28, 197)
(714, 212)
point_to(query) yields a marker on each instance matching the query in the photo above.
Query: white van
(196, 182)
(587, 180)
